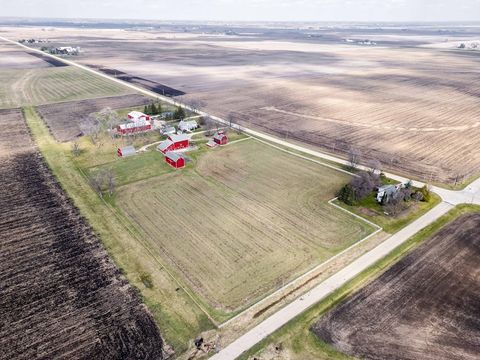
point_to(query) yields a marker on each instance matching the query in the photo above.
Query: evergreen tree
(153, 109)
(146, 110)
(179, 113)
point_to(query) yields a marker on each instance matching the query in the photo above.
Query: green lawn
(299, 343)
(371, 210)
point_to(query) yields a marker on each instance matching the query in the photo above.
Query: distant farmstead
(126, 151)
(175, 159)
(174, 142)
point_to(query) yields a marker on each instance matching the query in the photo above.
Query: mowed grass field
(244, 220)
(20, 87)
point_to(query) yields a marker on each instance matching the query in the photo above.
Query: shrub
(425, 191)
(347, 195)
(146, 280)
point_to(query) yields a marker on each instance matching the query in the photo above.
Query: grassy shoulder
(371, 210)
(299, 342)
(178, 317)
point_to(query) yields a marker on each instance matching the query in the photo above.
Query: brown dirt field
(13, 57)
(424, 307)
(415, 108)
(64, 119)
(62, 297)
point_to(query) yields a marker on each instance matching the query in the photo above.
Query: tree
(354, 157)
(91, 127)
(110, 179)
(76, 149)
(153, 109)
(425, 193)
(96, 182)
(374, 166)
(394, 206)
(159, 108)
(230, 118)
(364, 184)
(179, 113)
(347, 195)
(146, 110)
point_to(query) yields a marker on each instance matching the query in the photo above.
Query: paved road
(295, 308)
(471, 194)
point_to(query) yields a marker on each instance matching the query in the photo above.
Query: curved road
(469, 195)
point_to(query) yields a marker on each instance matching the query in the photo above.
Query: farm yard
(238, 214)
(53, 84)
(64, 119)
(401, 102)
(424, 307)
(61, 294)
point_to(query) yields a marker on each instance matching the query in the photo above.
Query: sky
(249, 10)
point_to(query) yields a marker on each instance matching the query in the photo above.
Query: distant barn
(175, 159)
(220, 138)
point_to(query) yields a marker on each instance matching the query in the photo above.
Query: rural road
(470, 195)
(295, 308)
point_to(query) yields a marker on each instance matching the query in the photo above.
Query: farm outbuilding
(220, 138)
(174, 142)
(175, 159)
(134, 127)
(137, 116)
(126, 151)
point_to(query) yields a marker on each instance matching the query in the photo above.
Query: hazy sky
(249, 10)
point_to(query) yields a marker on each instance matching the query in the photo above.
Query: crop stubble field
(425, 306)
(247, 219)
(408, 104)
(62, 297)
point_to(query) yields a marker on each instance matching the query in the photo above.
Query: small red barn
(175, 159)
(220, 138)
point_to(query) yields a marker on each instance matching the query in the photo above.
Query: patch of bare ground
(64, 119)
(61, 295)
(425, 306)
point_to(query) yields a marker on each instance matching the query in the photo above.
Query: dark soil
(48, 59)
(148, 84)
(426, 306)
(61, 295)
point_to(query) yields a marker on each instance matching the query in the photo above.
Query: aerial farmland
(404, 95)
(251, 191)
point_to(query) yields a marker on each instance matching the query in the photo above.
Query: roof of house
(188, 123)
(174, 156)
(168, 129)
(131, 125)
(178, 137)
(164, 145)
(389, 189)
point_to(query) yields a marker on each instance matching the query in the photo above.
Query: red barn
(174, 142)
(220, 138)
(134, 127)
(137, 116)
(175, 159)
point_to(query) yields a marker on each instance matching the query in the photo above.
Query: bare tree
(110, 179)
(354, 157)
(374, 166)
(231, 119)
(91, 127)
(75, 149)
(364, 184)
(96, 182)
(107, 119)
(210, 126)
